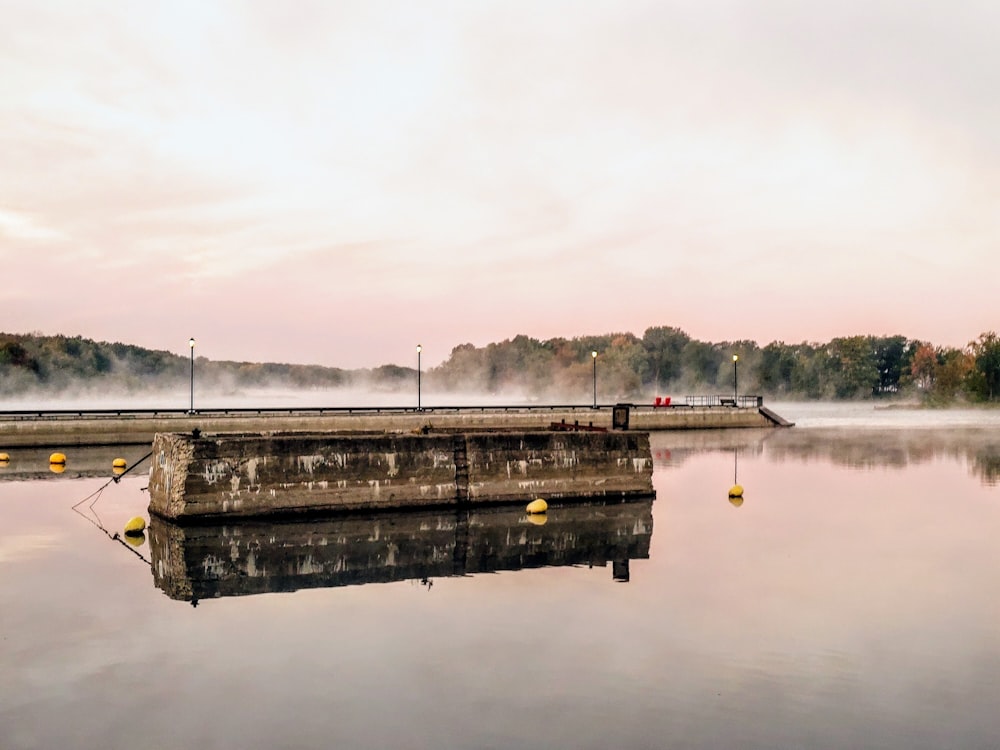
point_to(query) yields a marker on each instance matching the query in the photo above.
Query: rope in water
(96, 494)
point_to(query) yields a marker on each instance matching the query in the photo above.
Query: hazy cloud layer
(334, 182)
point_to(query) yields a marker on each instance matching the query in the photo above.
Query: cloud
(19, 226)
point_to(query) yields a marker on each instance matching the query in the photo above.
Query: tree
(984, 380)
(890, 362)
(853, 367)
(664, 346)
(812, 364)
(924, 367)
(463, 370)
(953, 372)
(703, 363)
(624, 366)
(777, 365)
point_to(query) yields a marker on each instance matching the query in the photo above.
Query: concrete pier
(68, 429)
(239, 475)
(194, 563)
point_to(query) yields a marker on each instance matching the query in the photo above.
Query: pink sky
(335, 182)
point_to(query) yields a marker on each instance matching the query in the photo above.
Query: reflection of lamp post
(191, 344)
(735, 359)
(593, 355)
(419, 349)
(736, 491)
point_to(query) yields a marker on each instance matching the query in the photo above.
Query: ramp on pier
(776, 419)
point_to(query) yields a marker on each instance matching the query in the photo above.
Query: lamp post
(593, 356)
(419, 349)
(191, 344)
(735, 390)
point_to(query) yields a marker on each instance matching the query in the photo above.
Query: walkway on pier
(67, 427)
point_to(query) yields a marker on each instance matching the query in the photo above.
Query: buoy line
(116, 537)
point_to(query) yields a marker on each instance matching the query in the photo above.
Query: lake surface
(848, 601)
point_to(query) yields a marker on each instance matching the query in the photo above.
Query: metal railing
(741, 402)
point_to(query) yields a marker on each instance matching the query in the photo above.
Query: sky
(327, 182)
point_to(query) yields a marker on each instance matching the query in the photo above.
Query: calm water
(849, 601)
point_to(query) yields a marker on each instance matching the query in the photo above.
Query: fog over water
(856, 414)
(269, 397)
(865, 414)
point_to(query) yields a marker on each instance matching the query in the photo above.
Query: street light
(419, 349)
(593, 355)
(191, 344)
(735, 360)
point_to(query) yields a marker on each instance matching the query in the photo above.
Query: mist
(665, 362)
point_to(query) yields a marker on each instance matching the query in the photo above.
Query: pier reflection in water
(199, 562)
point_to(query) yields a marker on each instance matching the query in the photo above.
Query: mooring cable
(117, 477)
(96, 494)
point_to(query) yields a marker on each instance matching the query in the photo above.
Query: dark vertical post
(735, 389)
(619, 570)
(191, 344)
(593, 355)
(419, 349)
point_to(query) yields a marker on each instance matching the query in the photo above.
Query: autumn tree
(953, 372)
(923, 367)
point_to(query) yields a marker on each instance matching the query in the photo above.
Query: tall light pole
(419, 349)
(593, 356)
(735, 390)
(191, 344)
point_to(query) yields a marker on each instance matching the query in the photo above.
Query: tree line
(665, 361)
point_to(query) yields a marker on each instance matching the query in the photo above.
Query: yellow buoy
(118, 470)
(57, 458)
(736, 490)
(135, 525)
(4, 458)
(537, 506)
(57, 468)
(136, 539)
(119, 463)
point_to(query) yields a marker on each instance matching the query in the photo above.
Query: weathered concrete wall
(510, 466)
(198, 562)
(64, 433)
(249, 475)
(696, 418)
